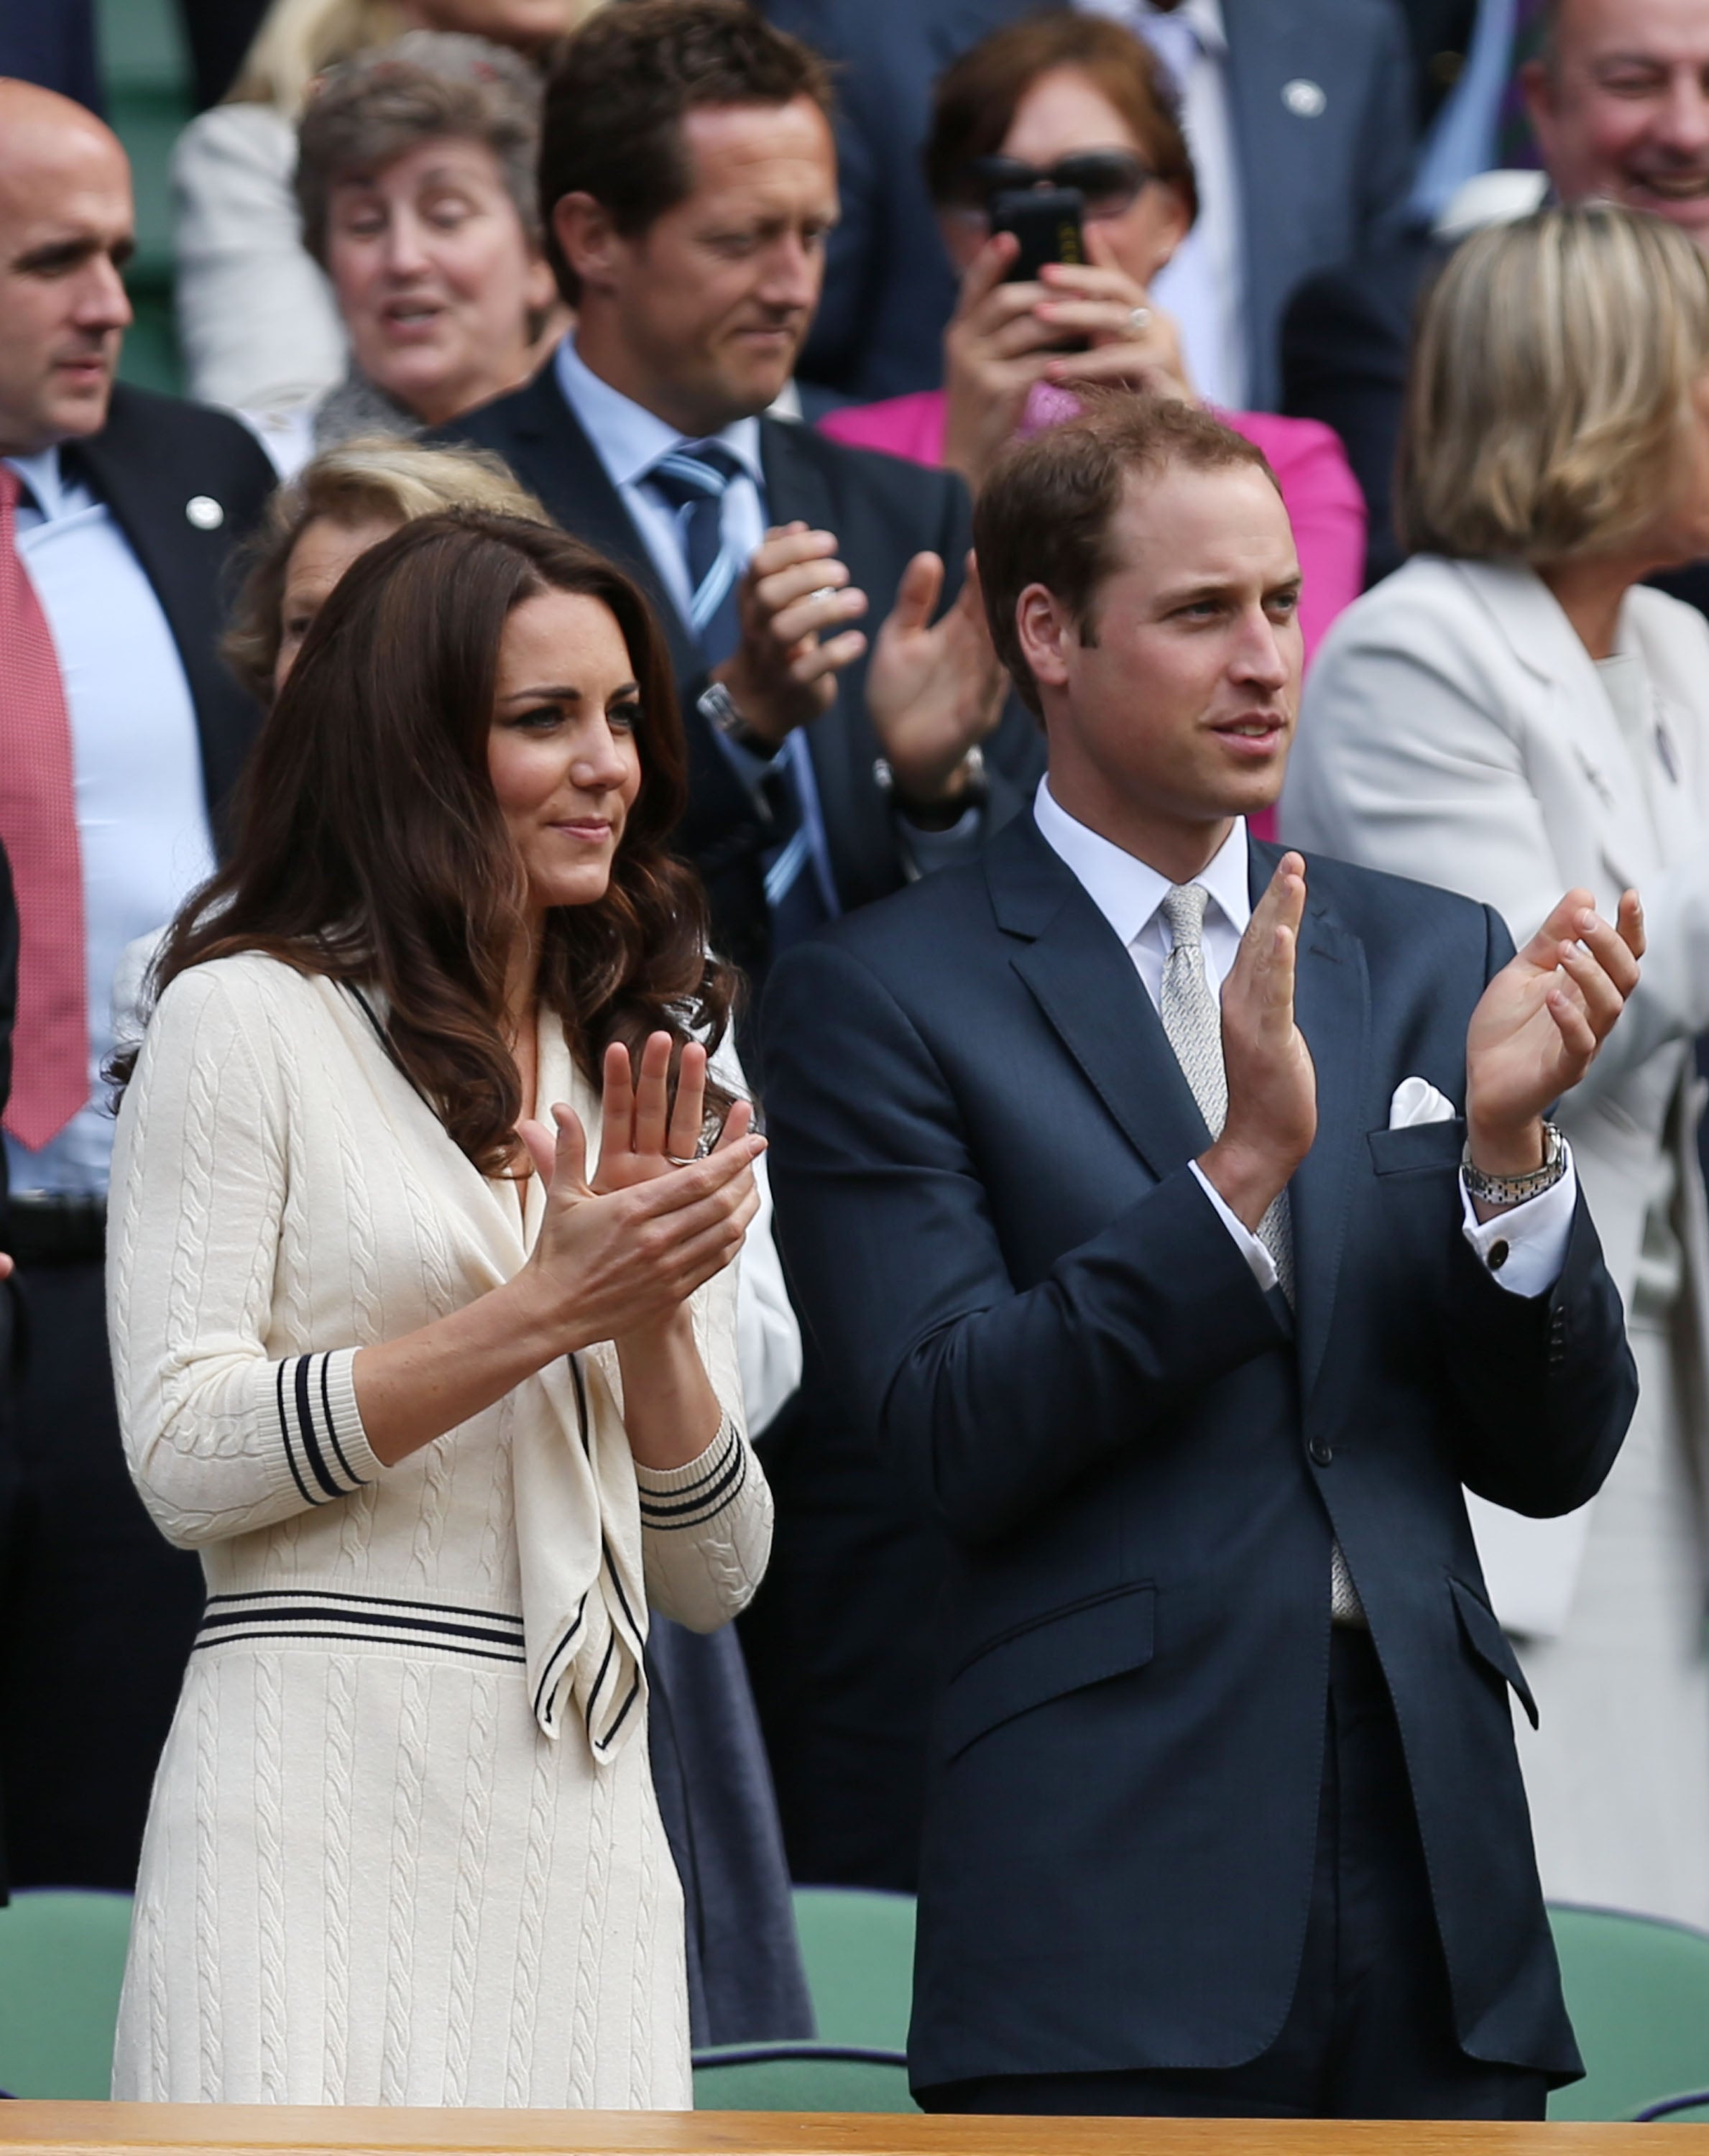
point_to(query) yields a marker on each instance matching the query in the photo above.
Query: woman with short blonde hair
(1551, 386)
(368, 486)
(1512, 711)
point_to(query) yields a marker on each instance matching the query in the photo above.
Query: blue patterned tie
(692, 480)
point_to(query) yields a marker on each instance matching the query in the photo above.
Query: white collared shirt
(1130, 894)
(1205, 286)
(137, 767)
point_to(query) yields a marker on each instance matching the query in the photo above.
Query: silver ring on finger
(824, 592)
(1138, 320)
(688, 1162)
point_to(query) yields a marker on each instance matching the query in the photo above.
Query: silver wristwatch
(1515, 1189)
(717, 708)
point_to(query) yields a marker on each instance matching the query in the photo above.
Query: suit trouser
(97, 1611)
(1370, 2033)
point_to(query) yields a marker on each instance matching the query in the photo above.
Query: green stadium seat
(62, 1960)
(801, 2077)
(146, 69)
(1638, 1992)
(857, 1947)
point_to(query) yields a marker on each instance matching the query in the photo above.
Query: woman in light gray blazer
(1509, 712)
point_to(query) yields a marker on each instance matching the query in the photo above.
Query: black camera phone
(1047, 222)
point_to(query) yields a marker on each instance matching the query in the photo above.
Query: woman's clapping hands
(620, 1254)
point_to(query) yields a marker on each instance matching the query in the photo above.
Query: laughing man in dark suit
(688, 182)
(1186, 1323)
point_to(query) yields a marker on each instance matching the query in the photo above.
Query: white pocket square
(1416, 1101)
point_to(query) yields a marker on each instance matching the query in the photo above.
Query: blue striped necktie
(692, 480)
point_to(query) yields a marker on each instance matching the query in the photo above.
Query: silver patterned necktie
(1192, 1020)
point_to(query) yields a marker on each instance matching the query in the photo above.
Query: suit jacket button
(1322, 1454)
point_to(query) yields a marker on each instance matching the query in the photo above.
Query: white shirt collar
(1123, 888)
(630, 439)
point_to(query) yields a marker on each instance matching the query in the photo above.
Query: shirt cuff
(1256, 1256)
(924, 852)
(751, 770)
(1525, 1248)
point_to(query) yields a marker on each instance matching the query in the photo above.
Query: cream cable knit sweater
(368, 1875)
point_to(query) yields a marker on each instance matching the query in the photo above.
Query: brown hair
(1044, 516)
(430, 86)
(370, 847)
(372, 480)
(1551, 387)
(615, 103)
(979, 95)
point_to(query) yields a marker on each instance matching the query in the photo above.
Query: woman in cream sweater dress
(442, 1427)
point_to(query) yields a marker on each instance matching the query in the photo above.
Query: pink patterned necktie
(38, 830)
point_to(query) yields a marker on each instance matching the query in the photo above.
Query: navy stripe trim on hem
(363, 1640)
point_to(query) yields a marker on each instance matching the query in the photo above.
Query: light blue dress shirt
(137, 761)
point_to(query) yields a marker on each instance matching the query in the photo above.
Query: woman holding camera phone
(1071, 101)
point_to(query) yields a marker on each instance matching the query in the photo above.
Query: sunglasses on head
(1108, 181)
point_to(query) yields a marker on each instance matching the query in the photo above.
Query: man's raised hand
(1539, 1024)
(935, 688)
(794, 601)
(1272, 1116)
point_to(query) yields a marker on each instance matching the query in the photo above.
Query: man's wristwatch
(1515, 1189)
(717, 708)
(936, 815)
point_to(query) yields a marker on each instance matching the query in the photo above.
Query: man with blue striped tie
(689, 175)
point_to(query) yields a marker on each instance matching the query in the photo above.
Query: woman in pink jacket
(1077, 100)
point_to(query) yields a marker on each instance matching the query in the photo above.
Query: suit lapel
(1275, 163)
(1332, 1008)
(1529, 619)
(183, 564)
(1085, 983)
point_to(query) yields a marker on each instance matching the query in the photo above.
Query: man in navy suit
(1186, 1322)
(845, 729)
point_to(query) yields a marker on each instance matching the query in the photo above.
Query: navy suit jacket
(883, 512)
(1318, 186)
(980, 1150)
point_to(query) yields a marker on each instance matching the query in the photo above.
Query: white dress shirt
(1205, 286)
(1130, 896)
(136, 766)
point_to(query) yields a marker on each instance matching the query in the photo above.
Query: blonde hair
(300, 39)
(1551, 387)
(372, 480)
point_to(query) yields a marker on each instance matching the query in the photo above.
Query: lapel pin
(1304, 97)
(204, 512)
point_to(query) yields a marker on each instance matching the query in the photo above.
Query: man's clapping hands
(1534, 1034)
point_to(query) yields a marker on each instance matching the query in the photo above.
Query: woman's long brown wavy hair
(369, 846)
